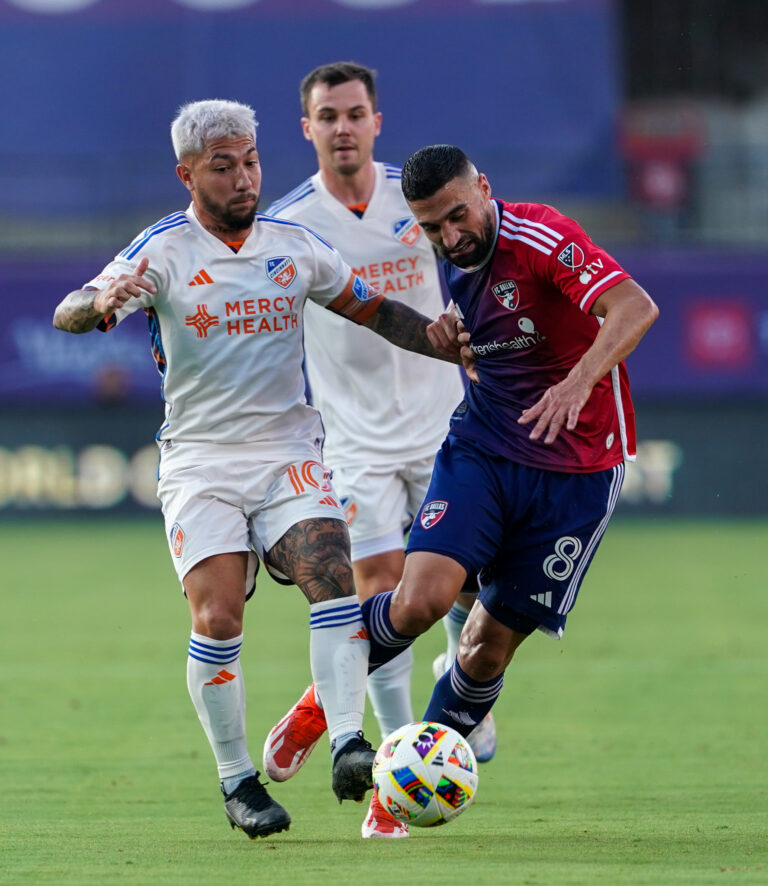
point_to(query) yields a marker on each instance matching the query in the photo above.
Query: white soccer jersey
(378, 402)
(226, 327)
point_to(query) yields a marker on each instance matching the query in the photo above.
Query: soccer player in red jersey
(529, 474)
(536, 451)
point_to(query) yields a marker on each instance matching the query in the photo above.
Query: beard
(232, 217)
(481, 245)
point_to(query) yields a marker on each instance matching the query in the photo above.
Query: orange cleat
(379, 823)
(291, 741)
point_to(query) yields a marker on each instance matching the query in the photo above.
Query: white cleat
(482, 739)
(438, 666)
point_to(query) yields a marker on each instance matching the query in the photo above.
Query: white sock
(389, 689)
(338, 654)
(215, 683)
(453, 622)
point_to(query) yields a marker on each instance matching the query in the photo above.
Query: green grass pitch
(635, 751)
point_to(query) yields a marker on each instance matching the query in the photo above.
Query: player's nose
(242, 179)
(450, 235)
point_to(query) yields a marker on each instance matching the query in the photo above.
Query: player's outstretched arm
(627, 312)
(406, 328)
(399, 324)
(83, 309)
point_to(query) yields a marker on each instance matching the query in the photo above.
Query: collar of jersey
(248, 242)
(341, 208)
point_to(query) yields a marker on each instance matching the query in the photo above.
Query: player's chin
(240, 215)
(347, 167)
(467, 259)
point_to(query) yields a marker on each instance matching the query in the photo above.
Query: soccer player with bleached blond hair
(241, 475)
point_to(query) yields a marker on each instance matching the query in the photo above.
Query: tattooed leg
(315, 555)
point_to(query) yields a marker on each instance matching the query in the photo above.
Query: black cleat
(353, 770)
(250, 808)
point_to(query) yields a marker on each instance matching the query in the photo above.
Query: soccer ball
(425, 774)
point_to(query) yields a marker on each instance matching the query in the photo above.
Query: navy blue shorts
(530, 533)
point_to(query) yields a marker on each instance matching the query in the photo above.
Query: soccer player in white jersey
(385, 410)
(241, 471)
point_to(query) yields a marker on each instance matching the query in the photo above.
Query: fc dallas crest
(507, 294)
(432, 512)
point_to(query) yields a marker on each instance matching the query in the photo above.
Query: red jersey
(527, 311)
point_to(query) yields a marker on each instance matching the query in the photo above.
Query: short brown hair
(334, 74)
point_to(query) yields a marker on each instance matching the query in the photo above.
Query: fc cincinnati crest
(350, 509)
(281, 270)
(177, 539)
(572, 256)
(432, 512)
(507, 294)
(406, 230)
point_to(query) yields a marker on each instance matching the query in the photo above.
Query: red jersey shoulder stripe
(535, 234)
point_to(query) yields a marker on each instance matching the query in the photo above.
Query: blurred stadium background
(647, 120)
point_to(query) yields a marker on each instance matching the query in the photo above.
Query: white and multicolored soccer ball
(425, 774)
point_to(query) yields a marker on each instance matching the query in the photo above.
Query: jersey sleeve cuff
(107, 323)
(594, 292)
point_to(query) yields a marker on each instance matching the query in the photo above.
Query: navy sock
(386, 642)
(461, 702)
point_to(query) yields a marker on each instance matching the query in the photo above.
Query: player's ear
(484, 185)
(305, 128)
(377, 121)
(185, 176)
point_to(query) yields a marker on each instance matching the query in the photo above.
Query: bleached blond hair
(197, 122)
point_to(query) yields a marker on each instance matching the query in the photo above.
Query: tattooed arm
(78, 312)
(407, 329)
(404, 327)
(444, 338)
(84, 309)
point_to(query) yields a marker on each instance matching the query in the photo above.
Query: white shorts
(223, 498)
(380, 502)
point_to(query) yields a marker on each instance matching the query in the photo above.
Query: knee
(368, 586)
(416, 608)
(217, 621)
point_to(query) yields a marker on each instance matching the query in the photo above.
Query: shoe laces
(354, 744)
(252, 792)
(306, 726)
